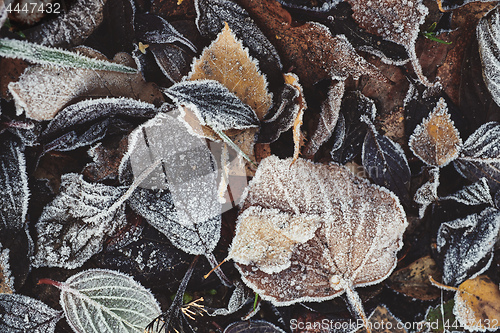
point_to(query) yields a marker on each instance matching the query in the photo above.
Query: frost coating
(6, 278)
(359, 230)
(73, 227)
(467, 245)
(19, 313)
(474, 194)
(427, 193)
(105, 301)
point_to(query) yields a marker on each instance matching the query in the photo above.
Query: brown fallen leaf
(436, 141)
(310, 50)
(107, 158)
(394, 20)
(43, 91)
(383, 321)
(477, 304)
(6, 280)
(413, 280)
(310, 232)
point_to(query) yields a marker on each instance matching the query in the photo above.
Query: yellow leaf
(477, 304)
(226, 61)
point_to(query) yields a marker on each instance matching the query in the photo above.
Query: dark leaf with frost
(13, 184)
(163, 155)
(477, 193)
(238, 299)
(427, 193)
(480, 155)
(72, 140)
(448, 5)
(338, 135)
(69, 28)
(88, 111)
(328, 117)
(155, 29)
(466, 245)
(489, 47)
(17, 251)
(6, 276)
(211, 15)
(73, 227)
(213, 104)
(252, 326)
(386, 164)
(19, 313)
(354, 106)
(173, 60)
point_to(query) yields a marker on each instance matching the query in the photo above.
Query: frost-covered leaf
(448, 5)
(238, 298)
(213, 104)
(42, 91)
(328, 117)
(19, 313)
(44, 55)
(436, 141)
(480, 155)
(310, 49)
(477, 304)
(386, 163)
(6, 278)
(283, 115)
(413, 280)
(394, 20)
(73, 227)
(228, 62)
(87, 111)
(14, 189)
(3, 13)
(162, 33)
(489, 46)
(211, 18)
(383, 321)
(427, 193)
(252, 326)
(310, 232)
(475, 194)
(104, 301)
(71, 27)
(186, 208)
(466, 245)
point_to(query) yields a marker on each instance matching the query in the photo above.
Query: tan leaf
(477, 304)
(298, 137)
(310, 232)
(414, 281)
(383, 321)
(226, 61)
(436, 141)
(43, 91)
(395, 20)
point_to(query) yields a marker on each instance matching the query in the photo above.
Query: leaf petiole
(233, 145)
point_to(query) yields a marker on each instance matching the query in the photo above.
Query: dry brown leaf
(395, 20)
(477, 304)
(227, 62)
(436, 141)
(383, 321)
(43, 91)
(328, 117)
(309, 49)
(298, 137)
(414, 281)
(310, 232)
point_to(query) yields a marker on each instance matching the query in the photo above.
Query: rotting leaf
(480, 156)
(42, 92)
(105, 299)
(413, 280)
(436, 141)
(13, 184)
(69, 28)
(211, 18)
(466, 245)
(427, 193)
(331, 232)
(328, 117)
(73, 227)
(396, 21)
(386, 163)
(25, 314)
(477, 193)
(477, 304)
(184, 183)
(310, 49)
(207, 98)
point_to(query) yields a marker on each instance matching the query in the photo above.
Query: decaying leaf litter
(342, 156)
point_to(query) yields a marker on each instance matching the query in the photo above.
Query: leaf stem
(233, 145)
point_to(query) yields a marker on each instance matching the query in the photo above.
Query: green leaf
(44, 55)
